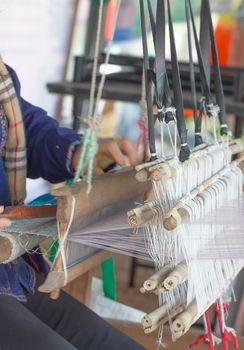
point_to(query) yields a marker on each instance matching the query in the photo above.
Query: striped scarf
(15, 150)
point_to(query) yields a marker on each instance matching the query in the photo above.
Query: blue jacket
(49, 153)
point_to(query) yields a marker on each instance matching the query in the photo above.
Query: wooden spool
(160, 316)
(162, 171)
(142, 175)
(177, 276)
(184, 321)
(154, 281)
(171, 314)
(175, 218)
(140, 215)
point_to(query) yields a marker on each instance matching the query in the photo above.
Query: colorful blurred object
(230, 36)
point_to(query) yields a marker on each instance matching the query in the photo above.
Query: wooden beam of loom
(29, 212)
(108, 190)
(56, 279)
(11, 246)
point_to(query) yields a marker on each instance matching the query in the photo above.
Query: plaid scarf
(15, 150)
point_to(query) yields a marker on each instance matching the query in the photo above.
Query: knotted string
(90, 145)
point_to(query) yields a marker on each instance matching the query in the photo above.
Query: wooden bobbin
(5, 249)
(140, 215)
(176, 277)
(169, 315)
(154, 281)
(184, 321)
(174, 218)
(142, 175)
(154, 317)
(161, 172)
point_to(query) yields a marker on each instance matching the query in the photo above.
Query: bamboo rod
(176, 277)
(162, 172)
(158, 315)
(155, 280)
(184, 321)
(140, 215)
(147, 165)
(170, 315)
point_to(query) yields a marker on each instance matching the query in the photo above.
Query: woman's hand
(119, 150)
(4, 222)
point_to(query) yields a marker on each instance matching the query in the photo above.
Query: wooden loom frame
(108, 190)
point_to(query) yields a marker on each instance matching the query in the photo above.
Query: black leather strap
(177, 89)
(163, 95)
(149, 99)
(197, 116)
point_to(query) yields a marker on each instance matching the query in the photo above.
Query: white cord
(62, 240)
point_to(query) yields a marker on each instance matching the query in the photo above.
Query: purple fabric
(49, 153)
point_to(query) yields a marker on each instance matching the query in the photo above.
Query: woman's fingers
(97, 170)
(129, 150)
(111, 149)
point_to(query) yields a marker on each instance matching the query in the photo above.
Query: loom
(182, 225)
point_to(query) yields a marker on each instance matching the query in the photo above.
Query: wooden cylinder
(142, 175)
(140, 215)
(154, 317)
(184, 321)
(161, 315)
(154, 281)
(174, 218)
(171, 314)
(12, 245)
(147, 165)
(5, 249)
(176, 277)
(107, 190)
(161, 172)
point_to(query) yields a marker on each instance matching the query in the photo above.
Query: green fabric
(53, 251)
(109, 279)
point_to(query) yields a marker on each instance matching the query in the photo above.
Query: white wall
(33, 36)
